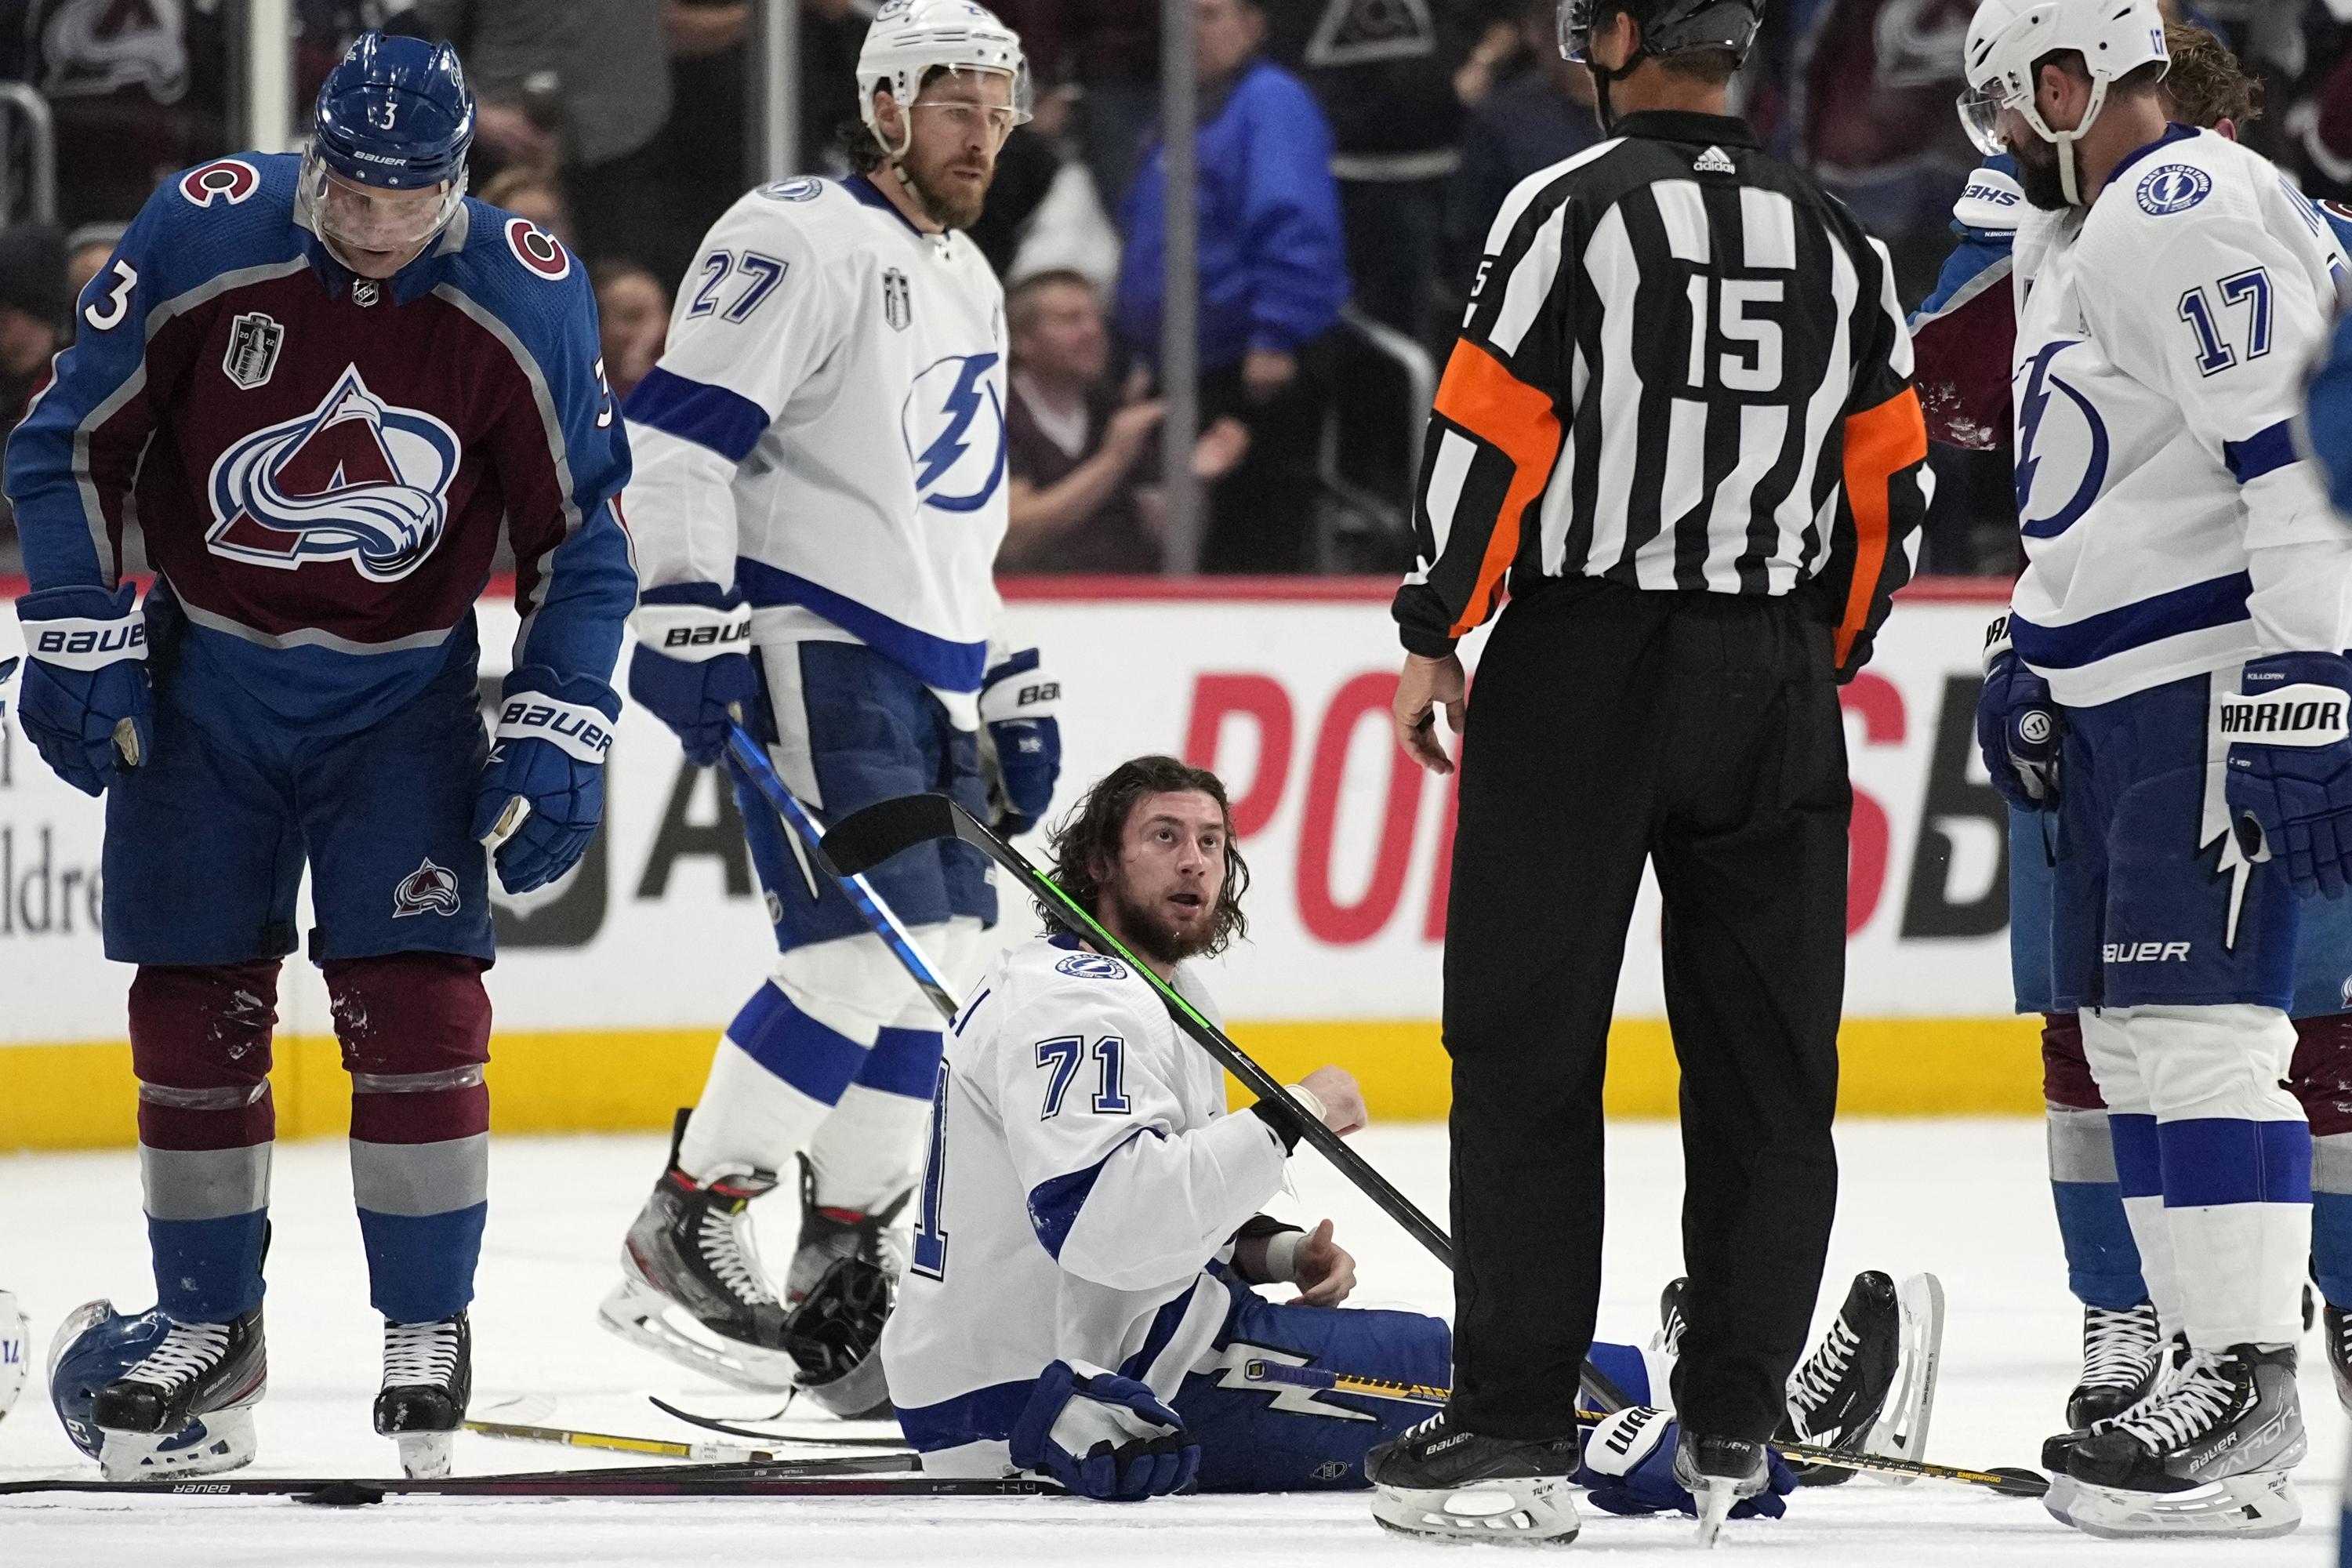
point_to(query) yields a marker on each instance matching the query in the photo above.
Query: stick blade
(864, 839)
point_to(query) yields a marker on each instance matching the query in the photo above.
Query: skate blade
(208, 1446)
(1901, 1430)
(2251, 1507)
(426, 1455)
(640, 1314)
(1715, 1500)
(1536, 1511)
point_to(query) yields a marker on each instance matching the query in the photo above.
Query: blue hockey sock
(2102, 1259)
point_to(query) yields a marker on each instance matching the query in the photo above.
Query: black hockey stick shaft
(866, 838)
(819, 1478)
(786, 1439)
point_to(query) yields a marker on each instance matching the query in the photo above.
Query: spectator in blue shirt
(1273, 276)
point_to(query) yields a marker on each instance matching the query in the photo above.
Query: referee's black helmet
(1669, 27)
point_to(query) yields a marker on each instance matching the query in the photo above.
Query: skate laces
(724, 1239)
(2194, 1405)
(420, 1354)
(1816, 1381)
(188, 1350)
(2117, 1344)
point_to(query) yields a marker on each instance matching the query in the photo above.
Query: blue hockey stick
(750, 760)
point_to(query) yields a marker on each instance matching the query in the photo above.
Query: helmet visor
(1979, 110)
(356, 217)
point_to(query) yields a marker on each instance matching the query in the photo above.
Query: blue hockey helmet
(393, 115)
(95, 1345)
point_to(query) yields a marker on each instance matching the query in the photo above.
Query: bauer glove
(693, 663)
(1103, 1436)
(2018, 726)
(1017, 701)
(2290, 776)
(542, 790)
(1629, 1463)
(85, 701)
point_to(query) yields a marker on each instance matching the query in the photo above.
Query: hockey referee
(1679, 418)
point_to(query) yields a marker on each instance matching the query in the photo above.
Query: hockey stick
(2008, 1481)
(750, 760)
(866, 838)
(712, 1423)
(834, 1479)
(614, 1443)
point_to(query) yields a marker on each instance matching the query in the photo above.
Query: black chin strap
(1602, 77)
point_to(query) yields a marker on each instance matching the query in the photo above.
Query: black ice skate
(1443, 1481)
(428, 1377)
(2120, 1363)
(2338, 1328)
(203, 1378)
(2209, 1455)
(1838, 1392)
(692, 1284)
(838, 1294)
(1719, 1473)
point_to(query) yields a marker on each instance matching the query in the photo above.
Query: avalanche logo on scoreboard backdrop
(355, 479)
(2062, 449)
(953, 419)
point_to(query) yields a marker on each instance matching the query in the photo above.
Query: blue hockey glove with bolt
(542, 791)
(2290, 775)
(693, 663)
(1103, 1436)
(85, 701)
(1629, 1463)
(1017, 703)
(2018, 726)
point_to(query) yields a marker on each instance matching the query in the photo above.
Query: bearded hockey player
(1966, 330)
(321, 385)
(2171, 682)
(1080, 1300)
(819, 497)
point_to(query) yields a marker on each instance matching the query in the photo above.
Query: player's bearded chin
(1146, 928)
(945, 200)
(2037, 174)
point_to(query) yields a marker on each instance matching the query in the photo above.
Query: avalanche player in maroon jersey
(321, 385)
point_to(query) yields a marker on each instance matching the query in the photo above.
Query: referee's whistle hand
(1424, 686)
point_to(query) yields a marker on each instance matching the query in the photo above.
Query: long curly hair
(1092, 833)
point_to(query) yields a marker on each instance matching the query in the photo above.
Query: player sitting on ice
(325, 385)
(818, 500)
(1079, 1301)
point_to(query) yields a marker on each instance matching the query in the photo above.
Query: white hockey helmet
(2114, 37)
(909, 38)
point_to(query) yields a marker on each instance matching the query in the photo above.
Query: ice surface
(1966, 1199)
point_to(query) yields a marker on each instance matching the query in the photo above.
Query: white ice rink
(1966, 1199)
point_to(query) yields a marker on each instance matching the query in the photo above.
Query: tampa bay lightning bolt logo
(1092, 966)
(356, 480)
(954, 425)
(429, 890)
(2056, 440)
(2174, 188)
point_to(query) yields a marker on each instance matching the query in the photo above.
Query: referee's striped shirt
(1683, 367)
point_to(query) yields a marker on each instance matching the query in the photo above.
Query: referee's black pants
(1699, 732)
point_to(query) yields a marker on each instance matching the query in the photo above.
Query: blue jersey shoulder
(516, 272)
(214, 218)
(2339, 221)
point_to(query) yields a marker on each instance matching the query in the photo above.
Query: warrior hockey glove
(1629, 1463)
(87, 679)
(2290, 776)
(693, 663)
(1103, 1436)
(1017, 700)
(2018, 726)
(548, 751)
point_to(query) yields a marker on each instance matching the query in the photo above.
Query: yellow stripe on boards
(83, 1096)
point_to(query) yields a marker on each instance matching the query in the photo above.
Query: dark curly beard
(2037, 174)
(1147, 930)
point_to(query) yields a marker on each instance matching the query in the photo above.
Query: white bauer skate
(2207, 1454)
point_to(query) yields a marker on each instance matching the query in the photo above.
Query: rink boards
(612, 985)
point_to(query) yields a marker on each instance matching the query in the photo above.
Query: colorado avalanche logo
(953, 420)
(429, 890)
(355, 479)
(2057, 442)
(230, 180)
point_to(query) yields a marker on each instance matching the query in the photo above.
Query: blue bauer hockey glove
(1629, 1463)
(693, 663)
(2290, 774)
(1017, 703)
(2018, 726)
(1103, 1436)
(85, 701)
(542, 791)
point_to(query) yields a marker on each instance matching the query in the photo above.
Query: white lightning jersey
(1083, 1174)
(2160, 346)
(825, 431)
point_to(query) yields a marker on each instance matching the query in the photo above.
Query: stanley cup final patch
(429, 890)
(254, 340)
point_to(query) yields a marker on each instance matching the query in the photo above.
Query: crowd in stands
(1351, 156)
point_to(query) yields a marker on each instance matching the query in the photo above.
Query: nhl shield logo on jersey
(954, 422)
(429, 890)
(897, 299)
(253, 344)
(356, 480)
